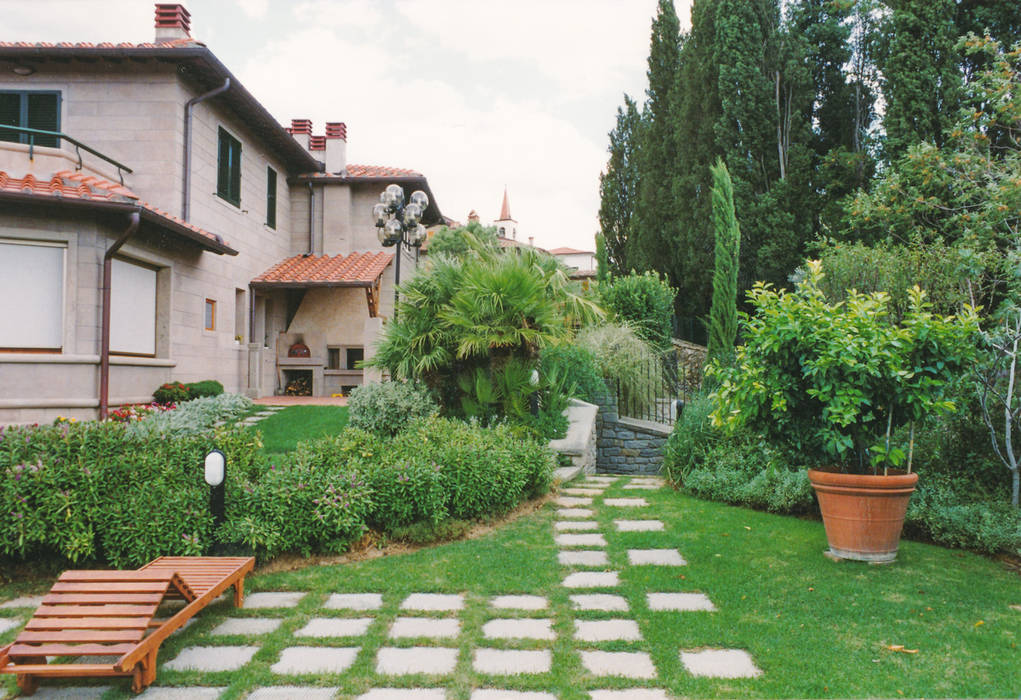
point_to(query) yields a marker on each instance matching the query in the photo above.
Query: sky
(477, 95)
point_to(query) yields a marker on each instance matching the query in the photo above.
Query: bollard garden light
(216, 476)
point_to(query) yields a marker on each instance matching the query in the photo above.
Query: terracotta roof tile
(68, 184)
(379, 171)
(356, 269)
(172, 44)
(570, 251)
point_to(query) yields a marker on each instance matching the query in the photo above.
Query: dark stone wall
(626, 445)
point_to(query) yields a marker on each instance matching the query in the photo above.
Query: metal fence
(659, 391)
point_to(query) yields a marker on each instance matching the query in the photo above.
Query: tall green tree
(654, 237)
(723, 313)
(922, 79)
(618, 187)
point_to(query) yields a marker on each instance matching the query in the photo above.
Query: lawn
(282, 431)
(814, 627)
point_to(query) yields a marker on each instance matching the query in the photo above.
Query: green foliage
(831, 380)
(192, 417)
(96, 492)
(643, 301)
(618, 192)
(947, 510)
(625, 360)
(208, 387)
(723, 313)
(692, 438)
(466, 240)
(176, 392)
(385, 407)
(578, 366)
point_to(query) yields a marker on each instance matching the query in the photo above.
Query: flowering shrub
(128, 414)
(171, 392)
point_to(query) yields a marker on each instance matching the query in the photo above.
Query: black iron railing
(658, 392)
(78, 146)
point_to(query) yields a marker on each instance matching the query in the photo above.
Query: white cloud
(255, 9)
(341, 14)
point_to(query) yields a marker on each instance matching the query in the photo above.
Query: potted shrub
(836, 382)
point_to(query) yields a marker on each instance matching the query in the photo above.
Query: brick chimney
(336, 147)
(301, 130)
(173, 21)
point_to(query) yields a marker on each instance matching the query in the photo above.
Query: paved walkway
(583, 559)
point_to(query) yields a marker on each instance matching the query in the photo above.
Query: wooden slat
(158, 586)
(64, 670)
(70, 649)
(102, 598)
(94, 610)
(90, 623)
(99, 575)
(79, 636)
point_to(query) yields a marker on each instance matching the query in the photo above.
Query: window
(271, 197)
(332, 358)
(228, 169)
(341, 357)
(354, 356)
(31, 295)
(32, 109)
(132, 308)
(210, 315)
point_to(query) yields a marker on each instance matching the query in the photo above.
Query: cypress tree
(602, 262)
(618, 188)
(723, 314)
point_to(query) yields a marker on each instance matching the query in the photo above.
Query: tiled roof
(68, 185)
(354, 270)
(379, 171)
(172, 44)
(570, 251)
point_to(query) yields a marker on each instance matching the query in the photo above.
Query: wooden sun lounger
(112, 613)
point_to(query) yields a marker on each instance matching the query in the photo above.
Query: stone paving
(427, 628)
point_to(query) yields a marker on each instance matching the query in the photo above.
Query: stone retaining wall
(628, 445)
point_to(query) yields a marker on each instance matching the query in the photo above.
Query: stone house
(224, 238)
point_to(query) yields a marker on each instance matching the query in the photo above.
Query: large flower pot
(863, 514)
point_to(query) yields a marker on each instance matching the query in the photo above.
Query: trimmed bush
(192, 417)
(208, 387)
(176, 392)
(645, 302)
(383, 408)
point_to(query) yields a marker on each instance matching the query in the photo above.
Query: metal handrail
(78, 147)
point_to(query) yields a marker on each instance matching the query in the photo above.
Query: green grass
(816, 628)
(282, 431)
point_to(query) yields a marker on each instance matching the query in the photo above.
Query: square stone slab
(189, 693)
(79, 693)
(570, 513)
(273, 600)
(657, 557)
(630, 694)
(525, 628)
(404, 694)
(432, 660)
(571, 501)
(494, 694)
(425, 627)
(629, 664)
(30, 601)
(289, 692)
(8, 623)
(335, 627)
(588, 557)
(626, 502)
(354, 601)
(508, 662)
(582, 491)
(592, 579)
(638, 525)
(246, 625)
(562, 525)
(720, 663)
(684, 602)
(520, 602)
(599, 601)
(299, 660)
(211, 658)
(593, 540)
(607, 631)
(433, 601)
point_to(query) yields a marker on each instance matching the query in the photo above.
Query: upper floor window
(228, 168)
(34, 109)
(271, 197)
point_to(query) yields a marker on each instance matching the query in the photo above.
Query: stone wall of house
(627, 445)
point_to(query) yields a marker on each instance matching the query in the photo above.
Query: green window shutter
(223, 165)
(44, 113)
(271, 197)
(235, 171)
(10, 114)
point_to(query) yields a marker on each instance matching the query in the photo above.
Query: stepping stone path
(425, 637)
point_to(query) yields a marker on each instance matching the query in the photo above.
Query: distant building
(582, 263)
(506, 226)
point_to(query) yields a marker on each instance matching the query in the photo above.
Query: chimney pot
(317, 143)
(173, 21)
(336, 130)
(301, 126)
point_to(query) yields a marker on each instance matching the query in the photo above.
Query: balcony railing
(78, 147)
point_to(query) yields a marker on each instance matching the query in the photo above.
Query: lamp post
(398, 222)
(215, 474)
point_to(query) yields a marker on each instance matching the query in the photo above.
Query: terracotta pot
(863, 514)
